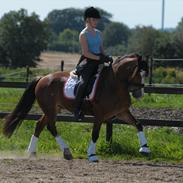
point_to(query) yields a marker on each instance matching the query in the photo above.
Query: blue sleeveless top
(94, 41)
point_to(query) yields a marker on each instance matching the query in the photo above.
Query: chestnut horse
(112, 98)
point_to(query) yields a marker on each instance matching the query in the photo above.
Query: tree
(164, 45)
(178, 39)
(117, 50)
(116, 33)
(69, 35)
(165, 48)
(67, 41)
(72, 18)
(22, 38)
(143, 40)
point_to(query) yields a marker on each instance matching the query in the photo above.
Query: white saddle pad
(70, 85)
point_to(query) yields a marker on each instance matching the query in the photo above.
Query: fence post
(62, 65)
(150, 70)
(27, 74)
(109, 129)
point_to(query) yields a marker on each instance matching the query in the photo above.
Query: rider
(92, 55)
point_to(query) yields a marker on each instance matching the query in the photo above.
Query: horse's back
(46, 80)
(51, 82)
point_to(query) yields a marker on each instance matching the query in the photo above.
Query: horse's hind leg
(128, 117)
(63, 146)
(39, 127)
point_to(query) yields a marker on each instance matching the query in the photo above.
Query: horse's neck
(107, 80)
(111, 94)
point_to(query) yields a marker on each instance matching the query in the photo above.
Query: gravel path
(78, 171)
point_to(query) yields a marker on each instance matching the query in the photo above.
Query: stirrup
(78, 115)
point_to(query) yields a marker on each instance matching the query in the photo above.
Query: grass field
(165, 143)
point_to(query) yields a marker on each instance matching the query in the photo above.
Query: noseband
(140, 66)
(135, 84)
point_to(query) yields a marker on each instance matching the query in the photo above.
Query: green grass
(20, 74)
(165, 144)
(10, 97)
(159, 101)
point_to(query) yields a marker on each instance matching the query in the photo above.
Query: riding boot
(78, 115)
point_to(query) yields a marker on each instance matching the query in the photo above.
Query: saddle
(89, 87)
(72, 83)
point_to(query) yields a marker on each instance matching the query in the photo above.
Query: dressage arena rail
(109, 125)
(147, 89)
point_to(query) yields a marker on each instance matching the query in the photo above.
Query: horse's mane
(132, 55)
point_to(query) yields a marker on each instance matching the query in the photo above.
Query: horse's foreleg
(63, 146)
(142, 139)
(92, 147)
(32, 145)
(128, 117)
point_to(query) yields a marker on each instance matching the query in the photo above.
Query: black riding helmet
(91, 13)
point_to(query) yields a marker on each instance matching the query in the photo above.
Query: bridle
(141, 67)
(135, 84)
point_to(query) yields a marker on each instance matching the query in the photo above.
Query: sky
(130, 12)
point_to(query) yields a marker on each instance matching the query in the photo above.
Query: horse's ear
(140, 58)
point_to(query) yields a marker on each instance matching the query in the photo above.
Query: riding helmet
(91, 13)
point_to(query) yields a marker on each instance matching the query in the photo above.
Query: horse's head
(132, 70)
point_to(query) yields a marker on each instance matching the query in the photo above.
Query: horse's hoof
(93, 158)
(32, 155)
(144, 150)
(67, 154)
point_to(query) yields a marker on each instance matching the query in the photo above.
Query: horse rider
(91, 43)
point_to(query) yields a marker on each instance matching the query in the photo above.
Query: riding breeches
(89, 70)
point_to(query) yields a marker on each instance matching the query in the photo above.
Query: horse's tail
(13, 120)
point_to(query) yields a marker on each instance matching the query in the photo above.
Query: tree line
(23, 37)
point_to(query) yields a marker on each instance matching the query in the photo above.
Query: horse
(112, 99)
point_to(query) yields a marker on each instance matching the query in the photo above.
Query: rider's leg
(79, 98)
(87, 73)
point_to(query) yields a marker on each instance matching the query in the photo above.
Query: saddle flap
(72, 83)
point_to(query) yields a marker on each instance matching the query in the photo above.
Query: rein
(140, 66)
(136, 84)
(140, 85)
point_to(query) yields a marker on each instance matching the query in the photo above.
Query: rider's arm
(101, 47)
(84, 48)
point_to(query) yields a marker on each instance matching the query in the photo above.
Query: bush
(168, 75)
(117, 50)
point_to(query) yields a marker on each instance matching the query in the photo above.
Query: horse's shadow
(115, 148)
(129, 152)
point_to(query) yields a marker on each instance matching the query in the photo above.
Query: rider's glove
(105, 59)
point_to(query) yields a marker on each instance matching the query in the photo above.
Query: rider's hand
(105, 59)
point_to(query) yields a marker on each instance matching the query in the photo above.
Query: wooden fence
(109, 126)
(89, 119)
(147, 89)
(152, 61)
